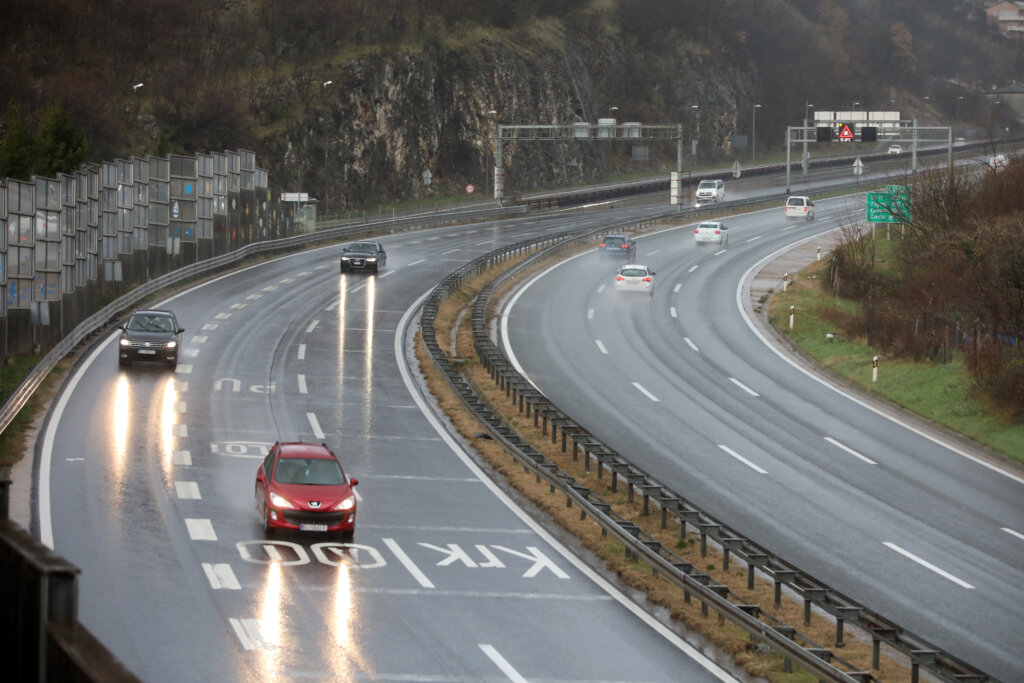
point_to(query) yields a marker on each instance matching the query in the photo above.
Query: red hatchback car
(303, 487)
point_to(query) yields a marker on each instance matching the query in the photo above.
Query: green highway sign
(883, 205)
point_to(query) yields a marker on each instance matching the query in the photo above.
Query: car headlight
(125, 341)
(347, 504)
(170, 344)
(280, 502)
(371, 259)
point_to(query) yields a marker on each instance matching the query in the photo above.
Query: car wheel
(268, 531)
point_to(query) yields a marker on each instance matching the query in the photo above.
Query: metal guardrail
(919, 652)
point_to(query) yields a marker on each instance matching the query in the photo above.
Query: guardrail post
(877, 634)
(810, 595)
(753, 559)
(780, 578)
(919, 657)
(844, 613)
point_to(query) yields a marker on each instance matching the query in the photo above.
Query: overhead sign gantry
(602, 131)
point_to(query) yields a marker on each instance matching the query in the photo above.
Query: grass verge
(940, 392)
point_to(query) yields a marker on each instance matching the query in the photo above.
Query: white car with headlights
(634, 277)
(714, 232)
(710, 191)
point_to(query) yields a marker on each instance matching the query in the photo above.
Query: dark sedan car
(618, 245)
(363, 256)
(150, 336)
(303, 487)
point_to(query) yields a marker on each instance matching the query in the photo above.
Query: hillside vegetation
(411, 81)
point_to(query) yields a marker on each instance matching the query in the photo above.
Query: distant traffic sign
(845, 134)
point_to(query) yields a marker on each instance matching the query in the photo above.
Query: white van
(710, 191)
(799, 206)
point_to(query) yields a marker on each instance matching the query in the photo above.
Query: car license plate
(313, 527)
(147, 352)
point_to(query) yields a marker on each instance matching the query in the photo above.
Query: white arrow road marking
(742, 459)
(502, 663)
(927, 565)
(220, 576)
(850, 451)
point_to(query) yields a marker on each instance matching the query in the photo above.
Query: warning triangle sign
(846, 134)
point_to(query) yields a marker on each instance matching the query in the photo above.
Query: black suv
(363, 256)
(618, 245)
(150, 336)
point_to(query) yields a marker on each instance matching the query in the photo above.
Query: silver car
(634, 277)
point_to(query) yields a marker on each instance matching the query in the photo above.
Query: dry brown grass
(659, 591)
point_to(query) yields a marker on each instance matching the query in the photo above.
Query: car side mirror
(180, 330)
(352, 481)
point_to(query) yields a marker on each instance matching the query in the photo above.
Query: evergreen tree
(60, 146)
(16, 147)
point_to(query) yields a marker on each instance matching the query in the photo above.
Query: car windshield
(150, 323)
(363, 248)
(614, 239)
(710, 226)
(634, 272)
(315, 471)
(706, 185)
(796, 201)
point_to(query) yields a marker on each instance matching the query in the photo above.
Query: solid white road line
(220, 576)
(743, 386)
(742, 459)
(850, 451)
(1013, 533)
(407, 562)
(927, 565)
(200, 530)
(315, 425)
(645, 392)
(600, 346)
(502, 663)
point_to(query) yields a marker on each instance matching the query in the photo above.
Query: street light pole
(324, 86)
(803, 159)
(753, 135)
(693, 147)
(490, 163)
(960, 97)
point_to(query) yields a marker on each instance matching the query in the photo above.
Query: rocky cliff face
(384, 119)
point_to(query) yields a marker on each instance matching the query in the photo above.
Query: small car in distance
(714, 232)
(303, 487)
(710, 191)
(363, 256)
(959, 142)
(150, 335)
(799, 206)
(634, 277)
(617, 245)
(895, 149)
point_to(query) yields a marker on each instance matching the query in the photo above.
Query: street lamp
(135, 88)
(803, 159)
(693, 147)
(958, 109)
(853, 106)
(611, 112)
(753, 135)
(326, 83)
(490, 162)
